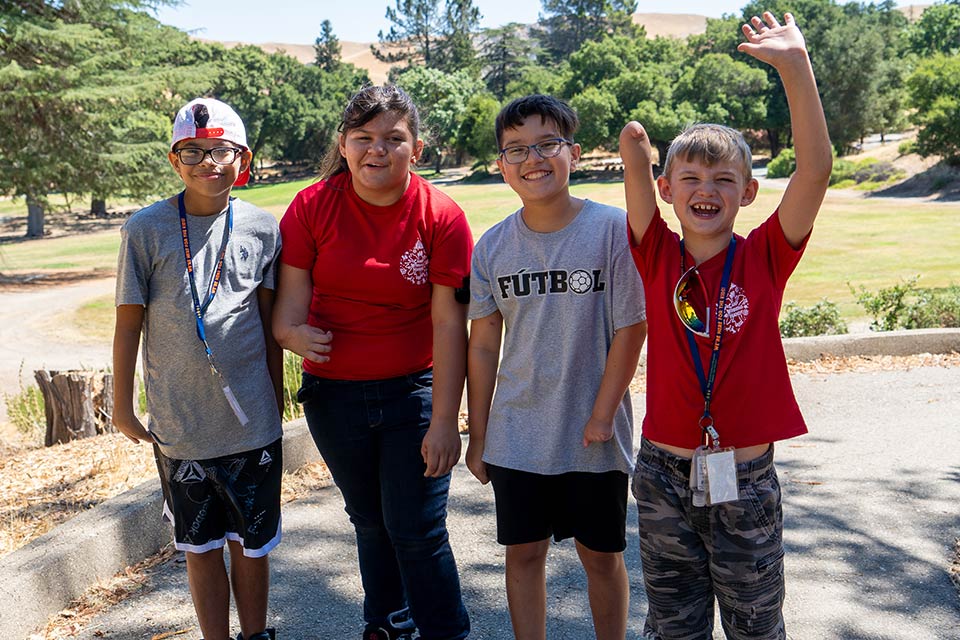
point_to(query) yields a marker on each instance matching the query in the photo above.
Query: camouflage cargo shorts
(690, 555)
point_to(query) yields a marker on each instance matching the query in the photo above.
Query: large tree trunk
(98, 207)
(34, 218)
(77, 404)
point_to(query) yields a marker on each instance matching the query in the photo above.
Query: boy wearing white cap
(195, 277)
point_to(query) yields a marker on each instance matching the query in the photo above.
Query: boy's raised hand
(635, 148)
(637, 156)
(772, 42)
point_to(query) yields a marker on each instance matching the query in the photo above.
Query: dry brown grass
(40, 488)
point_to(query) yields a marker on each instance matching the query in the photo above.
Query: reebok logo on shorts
(189, 472)
(265, 458)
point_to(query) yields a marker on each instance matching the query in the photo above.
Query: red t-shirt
(753, 401)
(372, 268)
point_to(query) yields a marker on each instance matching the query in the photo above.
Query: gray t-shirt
(562, 296)
(190, 416)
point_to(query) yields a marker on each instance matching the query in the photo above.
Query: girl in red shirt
(372, 259)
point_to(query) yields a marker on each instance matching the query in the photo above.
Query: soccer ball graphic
(580, 281)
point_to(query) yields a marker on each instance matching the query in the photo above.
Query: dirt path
(34, 335)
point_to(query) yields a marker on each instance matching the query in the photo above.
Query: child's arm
(483, 360)
(621, 366)
(265, 298)
(783, 47)
(126, 342)
(441, 445)
(290, 309)
(638, 180)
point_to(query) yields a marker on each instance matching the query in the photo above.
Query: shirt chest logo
(737, 309)
(414, 264)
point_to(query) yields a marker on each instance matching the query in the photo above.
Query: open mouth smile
(704, 210)
(537, 175)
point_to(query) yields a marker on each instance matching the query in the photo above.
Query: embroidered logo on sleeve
(737, 310)
(414, 264)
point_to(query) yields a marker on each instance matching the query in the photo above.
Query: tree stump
(77, 404)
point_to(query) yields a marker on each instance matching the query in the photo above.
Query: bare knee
(600, 563)
(528, 554)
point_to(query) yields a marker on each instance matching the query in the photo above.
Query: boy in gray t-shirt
(557, 438)
(195, 277)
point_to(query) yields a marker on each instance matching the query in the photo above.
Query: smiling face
(208, 184)
(706, 198)
(380, 155)
(538, 180)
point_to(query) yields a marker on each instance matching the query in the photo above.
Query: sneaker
(266, 634)
(399, 626)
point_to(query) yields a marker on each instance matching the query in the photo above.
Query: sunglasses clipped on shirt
(545, 149)
(220, 155)
(685, 310)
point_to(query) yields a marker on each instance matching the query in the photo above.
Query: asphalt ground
(872, 512)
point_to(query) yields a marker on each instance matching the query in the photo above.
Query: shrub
(868, 173)
(25, 409)
(907, 147)
(783, 165)
(822, 319)
(292, 368)
(907, 306)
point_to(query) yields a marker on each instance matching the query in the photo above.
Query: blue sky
(298, 22)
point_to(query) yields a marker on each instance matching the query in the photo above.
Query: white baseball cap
(210, 118)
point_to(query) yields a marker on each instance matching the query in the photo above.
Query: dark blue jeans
(369, 434)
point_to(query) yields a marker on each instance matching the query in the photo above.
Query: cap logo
(212, 132)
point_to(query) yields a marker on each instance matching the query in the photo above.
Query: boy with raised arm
(718, 391)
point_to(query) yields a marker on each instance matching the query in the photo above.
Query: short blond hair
(709, 144)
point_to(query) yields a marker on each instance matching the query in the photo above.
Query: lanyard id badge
(713, 470)
(201, 309)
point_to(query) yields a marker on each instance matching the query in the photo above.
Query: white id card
(721, 472)
(237, 409)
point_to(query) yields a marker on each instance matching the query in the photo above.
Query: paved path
(871, 498)
(34, 334)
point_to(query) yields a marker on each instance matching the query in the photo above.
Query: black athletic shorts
(234, 497)
(589, 507)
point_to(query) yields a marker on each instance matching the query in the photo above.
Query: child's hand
(771, 42)
(475, 463)
(440, 448)
(132, 428)
(597, 431)
(635, 146)
(310, 343)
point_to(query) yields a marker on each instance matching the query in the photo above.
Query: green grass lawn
(870, 242)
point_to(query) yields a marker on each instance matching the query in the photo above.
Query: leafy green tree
(597, 110)
(503, 54)
(538, 78)
(86, 93)
(935, 94)
(725, 91)
(663, 121)
(477, 136)
(850, 83)
(326, 93)
(937, 30)
(442, 101)
(263, 88)
(455, 50)
(327, 48)
(567, 24)
(412, 38)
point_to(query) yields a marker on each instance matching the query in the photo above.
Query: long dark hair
(364, 106)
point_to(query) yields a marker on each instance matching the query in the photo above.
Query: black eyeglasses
(545, 149)
(220, 155)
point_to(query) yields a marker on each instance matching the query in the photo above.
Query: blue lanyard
(200, 309)
(706, 382)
